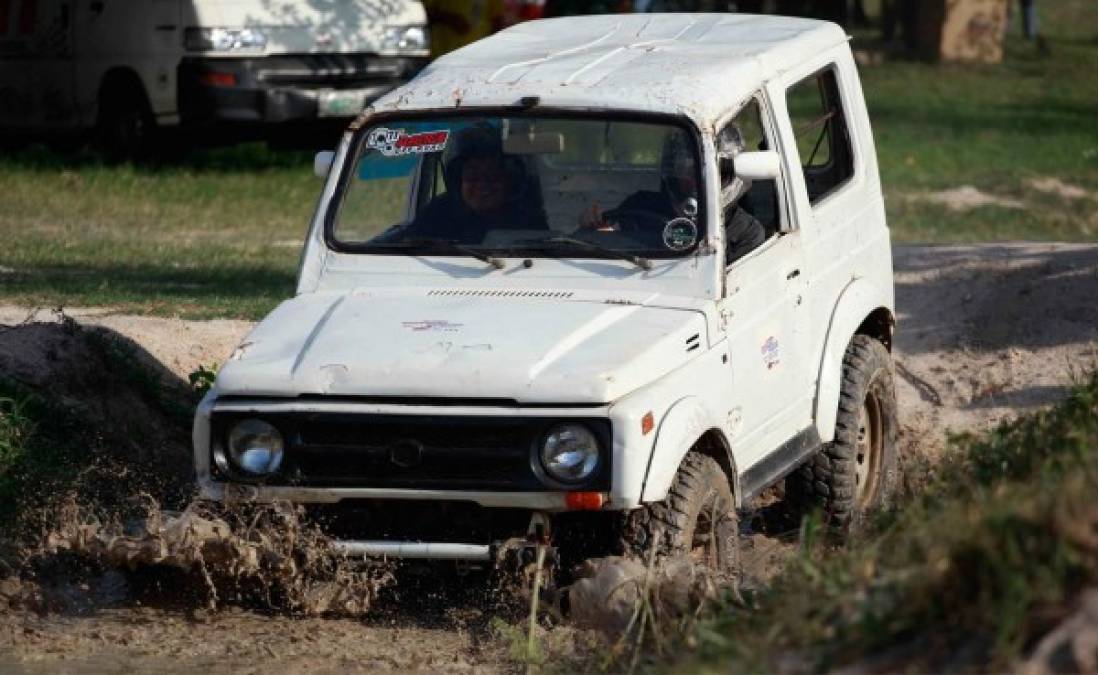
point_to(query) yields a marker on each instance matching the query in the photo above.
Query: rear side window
(823, 140)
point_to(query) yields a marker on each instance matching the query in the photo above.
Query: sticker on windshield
(680, 234)
(397, 142)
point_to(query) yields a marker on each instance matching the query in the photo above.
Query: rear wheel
(856, 472)
(696, 519)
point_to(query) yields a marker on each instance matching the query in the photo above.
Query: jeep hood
(526, 349)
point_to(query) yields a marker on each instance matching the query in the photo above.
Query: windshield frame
(362, 125)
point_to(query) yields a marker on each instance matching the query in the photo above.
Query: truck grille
(413, 452)
(333, 70)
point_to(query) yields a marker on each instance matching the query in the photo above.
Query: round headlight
(570, 453)
(255, 447)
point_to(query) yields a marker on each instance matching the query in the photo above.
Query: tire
(126, 126)
(857, 472)
(698, 506)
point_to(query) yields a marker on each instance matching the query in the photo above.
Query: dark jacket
(743, 232)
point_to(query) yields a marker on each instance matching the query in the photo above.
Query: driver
(678, 196)
(485, 193)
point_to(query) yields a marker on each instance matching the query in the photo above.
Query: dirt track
(985, 332)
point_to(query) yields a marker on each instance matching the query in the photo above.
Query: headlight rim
(552, 480)
(229, 461)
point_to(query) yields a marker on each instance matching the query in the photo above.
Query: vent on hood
(497, 293)
(693, 342)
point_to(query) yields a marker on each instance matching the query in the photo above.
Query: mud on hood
(531, 350)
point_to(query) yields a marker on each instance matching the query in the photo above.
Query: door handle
(793, 275)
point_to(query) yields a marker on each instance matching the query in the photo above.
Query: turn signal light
(584, 501)
(648, 423)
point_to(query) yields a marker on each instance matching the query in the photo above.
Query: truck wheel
(697, 518)
(126, 126)
(857, 471)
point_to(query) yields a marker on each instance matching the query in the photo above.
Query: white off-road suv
(601, 280)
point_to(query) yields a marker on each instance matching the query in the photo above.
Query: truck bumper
(288, 88)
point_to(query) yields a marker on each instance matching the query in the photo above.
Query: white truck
(596, 280)
(127, 67)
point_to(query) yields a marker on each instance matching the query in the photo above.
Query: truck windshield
(530, 186)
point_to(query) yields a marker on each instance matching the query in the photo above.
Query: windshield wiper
(643, 263)
(451, 246)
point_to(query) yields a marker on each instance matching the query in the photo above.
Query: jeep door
(764, 311)
(836, 193)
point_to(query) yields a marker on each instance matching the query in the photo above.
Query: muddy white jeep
(599, 281)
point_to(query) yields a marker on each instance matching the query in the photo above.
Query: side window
(754, 216)
(823, 140)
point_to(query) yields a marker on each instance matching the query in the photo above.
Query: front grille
(333, 70)
(413, 452)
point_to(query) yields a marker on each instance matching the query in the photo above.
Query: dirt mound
(120, 402)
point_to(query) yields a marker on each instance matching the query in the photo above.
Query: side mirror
(322, 163)
(762, 165)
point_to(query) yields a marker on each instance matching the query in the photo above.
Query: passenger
(487, 191)
(678, 196)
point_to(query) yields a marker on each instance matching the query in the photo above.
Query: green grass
(218, 234)
(964, 576)
(995, 128)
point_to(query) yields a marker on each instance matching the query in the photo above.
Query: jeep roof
(699, 65)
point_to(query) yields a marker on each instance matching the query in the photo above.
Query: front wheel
(696, 519)
(126, 127)
(856, 472)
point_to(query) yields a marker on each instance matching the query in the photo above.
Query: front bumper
(286, 88)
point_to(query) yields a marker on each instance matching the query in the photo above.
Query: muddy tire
(697, 518)
(857, 472)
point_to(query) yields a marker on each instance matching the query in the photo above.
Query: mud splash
(265, 555)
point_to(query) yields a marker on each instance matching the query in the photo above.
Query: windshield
(530, 186)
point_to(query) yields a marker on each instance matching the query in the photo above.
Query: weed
(1003, 531)
(202, 378)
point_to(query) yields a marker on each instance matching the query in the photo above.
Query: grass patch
(42, 446)
(966, 575)
(218, 233)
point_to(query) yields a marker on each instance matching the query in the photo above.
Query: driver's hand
(592, 218)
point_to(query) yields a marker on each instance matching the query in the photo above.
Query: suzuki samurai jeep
(601, 280)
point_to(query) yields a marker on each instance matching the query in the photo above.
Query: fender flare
(858, 300)
(685, 422)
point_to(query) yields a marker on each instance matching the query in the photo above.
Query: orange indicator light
(584, 501)
(648, 423)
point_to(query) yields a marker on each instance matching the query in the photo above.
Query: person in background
(1029, 19)
(456, 23)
